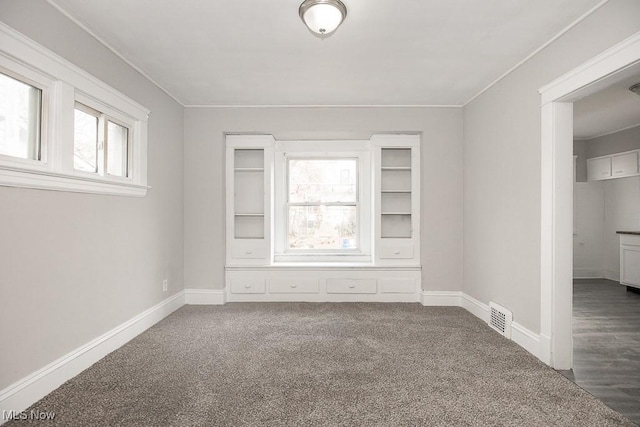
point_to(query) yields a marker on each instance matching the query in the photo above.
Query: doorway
(556, 232)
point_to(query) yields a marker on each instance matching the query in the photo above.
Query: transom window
(322, 204)
(101, 145)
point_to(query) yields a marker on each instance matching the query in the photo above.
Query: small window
(20, 119)
(322, 205)
(100, 143)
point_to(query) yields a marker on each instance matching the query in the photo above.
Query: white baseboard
(612, 275)
(440, 298)
(475, 307)
(583, 273)
(25, 392)
(522, 336)
(204, 296)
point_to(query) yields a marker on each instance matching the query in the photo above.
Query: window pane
(85, 141)
(117, 148)
(323, 181)
(322, 227)
(20, 109)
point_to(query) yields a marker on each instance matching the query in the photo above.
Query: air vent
(500, 319)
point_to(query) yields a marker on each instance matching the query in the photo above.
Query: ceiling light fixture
(635, 88)
(322, 17)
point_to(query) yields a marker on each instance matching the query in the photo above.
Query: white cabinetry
(248, 199)
(630, 260)
(625, 164)
(397, 201)
(613, 166)
(388, 269)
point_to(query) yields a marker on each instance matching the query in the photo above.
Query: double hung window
(322, 203)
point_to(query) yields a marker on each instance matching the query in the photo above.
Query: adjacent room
(319, 212)
(606, 299)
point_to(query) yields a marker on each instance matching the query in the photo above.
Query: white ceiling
(610, 109)
(387, 52)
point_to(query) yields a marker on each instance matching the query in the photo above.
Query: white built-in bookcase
(397, 201)
(392, 273)
(249, 160)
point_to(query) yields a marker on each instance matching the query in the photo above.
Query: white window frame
(63, 84)
(359, 150)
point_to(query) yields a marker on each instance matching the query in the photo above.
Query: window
(95, 134)
(322, 204)
(20, 118)
(63, 129)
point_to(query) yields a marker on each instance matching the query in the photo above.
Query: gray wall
(618, 142)
(74, 266)
(580, 150)
(502, 166)
(441, 189)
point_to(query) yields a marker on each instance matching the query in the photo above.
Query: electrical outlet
(165, 285)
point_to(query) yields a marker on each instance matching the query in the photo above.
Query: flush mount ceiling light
(635, 88)
(322, 17)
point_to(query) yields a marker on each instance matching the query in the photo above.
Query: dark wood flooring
(606, 344)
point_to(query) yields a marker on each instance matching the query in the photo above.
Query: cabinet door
(624, 164)
(599, 168)
(630, 265)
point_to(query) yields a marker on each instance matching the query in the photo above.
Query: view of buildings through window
(322, 204)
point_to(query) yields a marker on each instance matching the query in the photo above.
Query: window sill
(45, 180)
(308, 266)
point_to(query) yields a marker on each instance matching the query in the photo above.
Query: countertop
(636, 233)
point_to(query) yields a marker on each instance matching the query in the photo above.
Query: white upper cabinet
(618, 165)
(625, 164)
(599, 168)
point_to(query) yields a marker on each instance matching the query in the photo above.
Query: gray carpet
(322, 364)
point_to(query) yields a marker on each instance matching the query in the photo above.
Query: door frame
(556, 204)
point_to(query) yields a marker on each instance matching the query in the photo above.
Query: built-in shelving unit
(397, 173)
(395, 193)
(248, 199)
(389, 268)
(249, 193)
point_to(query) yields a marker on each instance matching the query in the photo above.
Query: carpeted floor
(322, 364)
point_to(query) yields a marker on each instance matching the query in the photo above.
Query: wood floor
(606, 344)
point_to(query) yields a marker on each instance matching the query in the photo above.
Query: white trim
(535, 52)
(584, 273)
(75, 184)
(526, 339)
(612, 275)
(103, 42)
(610, 61)
(441, 298)
(204, 296)
(556, 195)
(522, 336)
(23, 393)
(475, 307)
(320, 106)
(606, 134)
(67, 82)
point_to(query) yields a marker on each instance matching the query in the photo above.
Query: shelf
(396, 168)
(249, 169)
(249, 159)
(249, 214)
(249, 227)
(395, 191)
(395, 213)
(396, 157)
